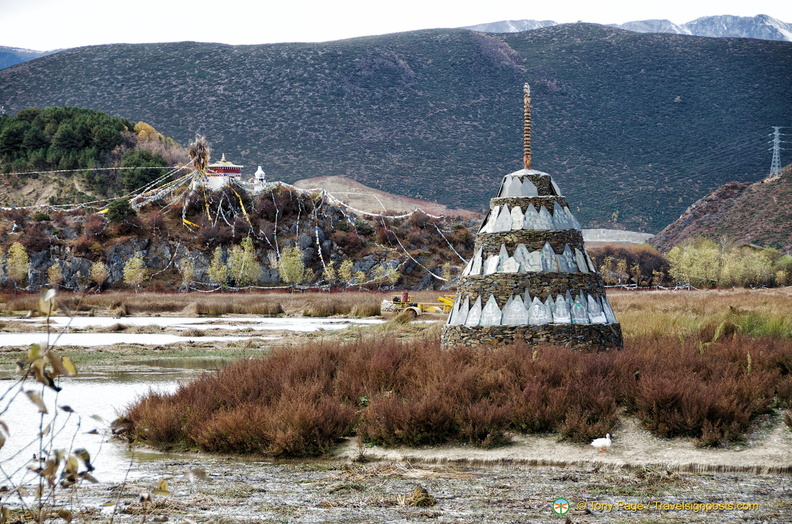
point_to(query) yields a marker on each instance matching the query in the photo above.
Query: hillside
(61, 155)
(635, 127)
(288, 236)
(12, 55)
(370, 200)
(743, 213)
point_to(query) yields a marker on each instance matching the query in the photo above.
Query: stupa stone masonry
(530, 277)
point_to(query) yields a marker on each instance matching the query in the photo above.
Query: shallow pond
(65, 331)
(97, 398)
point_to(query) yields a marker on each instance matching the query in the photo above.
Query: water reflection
(96, 398)
(187, 363)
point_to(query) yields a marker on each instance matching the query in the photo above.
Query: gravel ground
(389, 492)
(641, 479)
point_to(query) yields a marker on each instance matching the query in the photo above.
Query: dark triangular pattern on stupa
(530, 278)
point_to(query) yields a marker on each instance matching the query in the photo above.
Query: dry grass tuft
(356, 304)
(418, 498)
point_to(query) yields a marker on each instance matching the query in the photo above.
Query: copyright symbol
(581, 505)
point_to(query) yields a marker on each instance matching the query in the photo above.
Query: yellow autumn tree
(135, 271)
(55, 275)
(17, 263)
(243, 264)
(187, 272)
(146, 132)
(218, 270)
(345, 272)
(292, 267)
(329, 274)
(99, 274)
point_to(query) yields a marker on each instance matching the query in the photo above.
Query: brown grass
(356, 304)
(299, 401)
(756, 312)
(700, 365)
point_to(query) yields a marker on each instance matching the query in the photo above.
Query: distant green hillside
(75, 147)
(635, 127)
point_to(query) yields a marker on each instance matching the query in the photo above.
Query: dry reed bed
(757, 312)
(299, 401)
(356, 304)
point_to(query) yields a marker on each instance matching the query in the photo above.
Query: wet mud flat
(385, 491)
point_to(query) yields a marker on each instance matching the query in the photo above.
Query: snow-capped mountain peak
(762, 27)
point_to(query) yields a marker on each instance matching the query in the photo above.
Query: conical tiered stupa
(530, 277)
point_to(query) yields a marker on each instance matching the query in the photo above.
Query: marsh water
(94, 399)
(65, 331)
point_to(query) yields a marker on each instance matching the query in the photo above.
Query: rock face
(530, 277)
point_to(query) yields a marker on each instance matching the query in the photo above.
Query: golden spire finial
(527, 127)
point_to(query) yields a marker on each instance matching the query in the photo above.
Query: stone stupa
(530, 277)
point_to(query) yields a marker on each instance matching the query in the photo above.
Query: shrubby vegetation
(703, 263)
(243, 266)
(697, 262)
(59, 138)
(134, 271)
(640, 265)
(257, 234)
(17, 263)
(300, 401)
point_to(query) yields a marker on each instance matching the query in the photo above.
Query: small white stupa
(259, 179)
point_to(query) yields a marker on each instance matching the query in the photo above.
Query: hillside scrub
(639, 265)
(233, 237)
(299, 401)
(697, 262)
(75, 138)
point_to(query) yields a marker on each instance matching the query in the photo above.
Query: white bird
(602, 443)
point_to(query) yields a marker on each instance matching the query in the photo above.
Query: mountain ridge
(760, 26)
(14, 55)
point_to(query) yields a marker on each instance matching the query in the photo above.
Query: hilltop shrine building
(220, 174)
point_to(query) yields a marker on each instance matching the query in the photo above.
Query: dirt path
(767, 451)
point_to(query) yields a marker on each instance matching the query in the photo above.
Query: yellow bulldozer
(416, 309)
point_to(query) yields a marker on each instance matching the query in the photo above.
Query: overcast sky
(57, 24)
